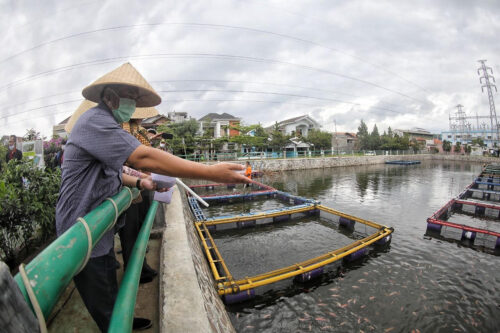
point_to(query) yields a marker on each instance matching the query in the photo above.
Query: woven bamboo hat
(125, 75)
(140, 113)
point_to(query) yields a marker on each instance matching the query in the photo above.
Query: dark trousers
(98, 288)
(134, 217)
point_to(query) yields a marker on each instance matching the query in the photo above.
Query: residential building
(59, 128)
(344, 141)
(416, 133)
(222, 125)
(154, 122)
(296, 147)
(297, 126)
(178, 117)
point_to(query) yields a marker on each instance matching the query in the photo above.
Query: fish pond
(418, 283)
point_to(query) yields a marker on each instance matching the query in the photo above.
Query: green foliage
(458, 147)
(374, 139)
(363, 136)
(32, 135)
(467, 149)
(386, 141)
(28, 197)
(446, 146)
(184, 140)
(278, 139)
(3, 152)
(478, 141)
(416, 145)
(257, 140)
(320, 139)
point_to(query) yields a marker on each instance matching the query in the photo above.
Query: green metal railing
(123, 311)
(51, 271)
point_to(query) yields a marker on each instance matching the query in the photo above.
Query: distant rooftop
(216, 116)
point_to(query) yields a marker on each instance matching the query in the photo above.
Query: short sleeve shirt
(94, 155)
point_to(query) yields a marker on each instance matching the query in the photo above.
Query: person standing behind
(248, 172)
(13, 152)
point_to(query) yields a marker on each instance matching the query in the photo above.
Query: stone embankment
(330, 162)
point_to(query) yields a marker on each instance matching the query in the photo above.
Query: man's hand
(227, 173)
(148, 184)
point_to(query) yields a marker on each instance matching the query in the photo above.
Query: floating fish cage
(236, 290)
(493, 169)
(402, 162)
(258, 192)
(439, 223)
(221, 191)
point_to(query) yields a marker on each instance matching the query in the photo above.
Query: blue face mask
(123, 113)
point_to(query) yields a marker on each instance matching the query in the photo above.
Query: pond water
(417, 283)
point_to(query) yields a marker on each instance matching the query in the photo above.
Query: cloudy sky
(394, 63)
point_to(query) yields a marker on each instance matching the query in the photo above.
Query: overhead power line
(204, 56)
(262, 31)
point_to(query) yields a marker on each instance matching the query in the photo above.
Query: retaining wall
(330, 162)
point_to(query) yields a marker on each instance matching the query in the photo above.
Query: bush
(28, 196)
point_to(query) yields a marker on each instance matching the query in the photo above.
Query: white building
(177, 117)
(297, 126)
(223, 125)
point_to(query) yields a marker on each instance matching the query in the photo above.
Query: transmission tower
(459, 124)
(484, 80)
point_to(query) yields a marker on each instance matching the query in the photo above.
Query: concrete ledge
(189, 301)
(181, 301)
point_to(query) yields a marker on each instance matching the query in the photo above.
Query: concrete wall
(329, 162)
(188, 299)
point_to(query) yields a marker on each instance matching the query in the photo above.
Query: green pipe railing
(51, 271)
(123, 311)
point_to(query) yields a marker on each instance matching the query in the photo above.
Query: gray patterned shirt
(92, 169)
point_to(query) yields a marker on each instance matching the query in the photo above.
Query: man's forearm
(161, 162)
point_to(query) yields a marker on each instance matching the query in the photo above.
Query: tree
(363, 136)
(446, 146)
(278, 139)
(478, 141)
(320, 139)
(375, 141)
(32, 135)
(185, 139)
(458, 147)
(467, 149)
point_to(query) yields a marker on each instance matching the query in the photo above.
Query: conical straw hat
(125, 75)
(140, 113)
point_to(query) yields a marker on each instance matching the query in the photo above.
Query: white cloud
(403, 63)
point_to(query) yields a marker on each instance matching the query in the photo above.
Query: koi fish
(320, 319)
(372, 298)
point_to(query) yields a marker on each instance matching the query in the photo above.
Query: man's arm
(158, 161)
(145, 183)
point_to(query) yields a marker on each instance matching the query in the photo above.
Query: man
(95, 152)
(13, 152)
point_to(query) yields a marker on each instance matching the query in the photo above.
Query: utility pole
(484, 80)
(336, 140)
